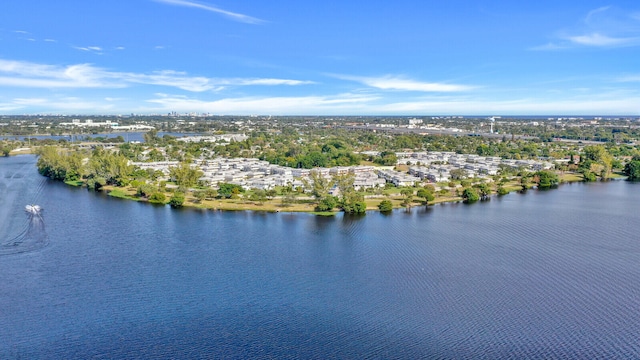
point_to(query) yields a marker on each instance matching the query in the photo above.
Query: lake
(541, 275)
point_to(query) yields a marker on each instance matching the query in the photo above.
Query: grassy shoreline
(306, 205)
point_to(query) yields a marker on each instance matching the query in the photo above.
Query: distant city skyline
(357, 57)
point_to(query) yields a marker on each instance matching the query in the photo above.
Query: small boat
(33, 209)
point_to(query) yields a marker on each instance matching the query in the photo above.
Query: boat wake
(33, 236)
(17, 234)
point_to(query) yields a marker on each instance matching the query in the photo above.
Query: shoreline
(306, 205)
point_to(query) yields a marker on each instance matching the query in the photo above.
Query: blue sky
(354, 57)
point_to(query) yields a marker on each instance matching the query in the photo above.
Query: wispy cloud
(92, 49)
(596, 39)
(265, 105)
(68, 104)
(26, 74)
(351, 103)
(519, 106)
(6, 107)
(629, 78)
(593, 13)
(549, 47)
(604, 27)
(265, 81)
(232, 15)
(390, 82)
(50, 40)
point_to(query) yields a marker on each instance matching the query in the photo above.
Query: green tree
(387, 158)
(210, 193)
(146, 190)
(547, 179)
(177, 200)
(632, 169)
(112, 166)
(598, 160)
(470, 195)
(425, 194)
(407, 194)
(185, 175)
(200, 195)
(385, 206)
(150, 137)
(227, 190)
(484, 190)
(327, 203)
(271, 193)
(259, 195)
(157, 198)
(458, 174)
(318, 184)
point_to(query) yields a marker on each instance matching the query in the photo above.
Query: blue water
(547, 274)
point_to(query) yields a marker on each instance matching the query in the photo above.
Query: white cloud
(596, 39)
(50, 40)
(532, 106)
(72, 104)
(346, 104)
(9, 107)
(265, 105)
(594, 13)
(92, 49)
(234, 16)
(29, 101)
(265, 82)
(614, 103)
(120, 48)
(399, 83)
(604, 27)
(169, 78)
(26, 74)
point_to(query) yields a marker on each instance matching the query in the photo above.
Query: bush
(327, 203)
(358, 207)
(146, 190)
(385, 206)
(177, 200)
(157, 198)
(227, 190)
(470, 195)
(547, 179)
